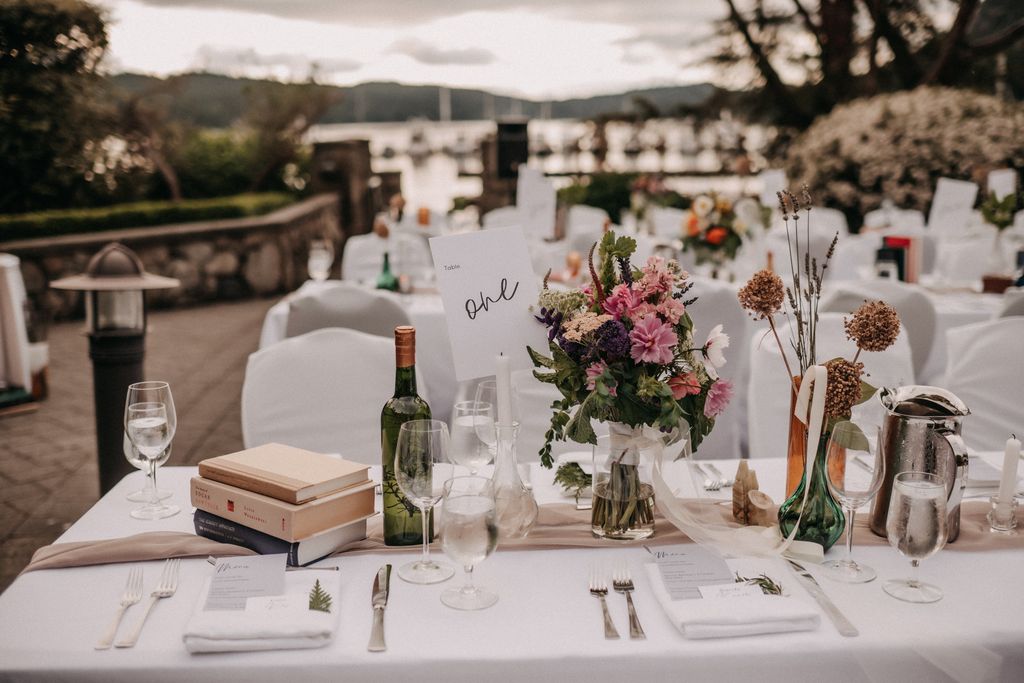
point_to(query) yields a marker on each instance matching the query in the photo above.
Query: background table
(545, 625)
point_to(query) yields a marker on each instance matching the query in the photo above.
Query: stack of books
(278, 499)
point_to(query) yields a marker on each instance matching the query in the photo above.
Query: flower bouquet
(715, 228)
(622, 351)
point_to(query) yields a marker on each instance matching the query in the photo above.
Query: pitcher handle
(960, 458)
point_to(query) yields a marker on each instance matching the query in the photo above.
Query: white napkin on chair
(279, 629)
(731, 617)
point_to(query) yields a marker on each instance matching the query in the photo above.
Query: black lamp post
(114, 284)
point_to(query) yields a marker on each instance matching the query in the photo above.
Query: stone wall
(213, 260)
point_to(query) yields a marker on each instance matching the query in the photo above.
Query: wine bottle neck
(405, 381)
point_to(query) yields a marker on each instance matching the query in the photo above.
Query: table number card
(772, 182)
(1002, 182)
(487, 286)
(537, 201)
(952, 205)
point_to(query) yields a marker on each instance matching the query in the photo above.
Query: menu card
(237, 579)
(686, 569)
(773, 181)
(536, 201)
(952, 205)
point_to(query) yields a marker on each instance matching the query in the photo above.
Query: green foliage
(767, 584)
(138, 214)
(608, 191)
(572, 478)
(49, 53)
(319, 600)
(999, 212)
(215, 163)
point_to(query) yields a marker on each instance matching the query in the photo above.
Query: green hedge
(138, 214)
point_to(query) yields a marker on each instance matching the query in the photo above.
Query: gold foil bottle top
(405, 346)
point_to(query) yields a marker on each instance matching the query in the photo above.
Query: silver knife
(842, 623)
(379, 600)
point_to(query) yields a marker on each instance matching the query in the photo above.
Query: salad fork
(165, 588)
(599, 589)
(722, 479)
(132, 594)
(622, 581)
(710, 483)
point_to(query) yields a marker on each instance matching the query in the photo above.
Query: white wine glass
(469, 536)
(321, 258)
(470, 419)
(150, 422)
(853, 476)
(916, 527)
(421, 468)
(132, 456)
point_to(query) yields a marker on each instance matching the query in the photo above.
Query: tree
(142, 121)
(49, 54)
(809, 58)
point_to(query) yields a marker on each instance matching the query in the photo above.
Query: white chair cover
(1013, 302)
(14, 348)
(503, 217)
(828, 220)
(854, 257)
(322, 391)
(768, 391)
(916, 310)
(364, 255)
(964, 259)
(894, 219)
(985, 370)
(582, 218)
(582, 239)
(778, 245)
(667, 222)
(349, 306)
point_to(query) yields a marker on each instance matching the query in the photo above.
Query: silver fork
(710, 482)
(132, 594)
(599, 589)
(623, 583)
(165, 588)
(722, 479)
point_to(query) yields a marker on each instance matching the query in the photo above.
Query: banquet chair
(502, 217)
(985, 371)
(915, 308)
(667, 222)
(346, 305)
(581, 239)
(583, 218)
(322, 391)
(854, 256)
(1013, 302)
(363, 256)
(768, 390)
(828, 220)
(894, 219)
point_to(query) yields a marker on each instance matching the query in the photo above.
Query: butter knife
(842, 623)
(379, 600)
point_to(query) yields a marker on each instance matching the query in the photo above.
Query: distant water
(431, 155)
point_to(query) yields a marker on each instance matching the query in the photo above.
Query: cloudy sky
(538, 48)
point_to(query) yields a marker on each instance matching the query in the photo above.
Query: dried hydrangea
(763, 294)
(843, 391)
(873, 327)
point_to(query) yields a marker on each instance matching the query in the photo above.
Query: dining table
(545, 626)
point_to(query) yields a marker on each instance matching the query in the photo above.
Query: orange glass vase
(796, 458)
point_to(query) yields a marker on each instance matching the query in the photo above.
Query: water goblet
(421, 468)
(469, 536)
(916, 527)
(321, 258)
(470, 419)
(132, 456)
(853, 480)
(150, 422)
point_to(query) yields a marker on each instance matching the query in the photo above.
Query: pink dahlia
(621, 301)
(718, 398)
(671, 310)
(684, 385)
(652, 341)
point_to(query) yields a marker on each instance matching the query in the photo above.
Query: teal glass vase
(822, 520)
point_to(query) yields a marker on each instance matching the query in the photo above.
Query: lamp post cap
(115, 267)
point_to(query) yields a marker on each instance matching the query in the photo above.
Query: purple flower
(719, 396)
(652, 341)
(613, 340)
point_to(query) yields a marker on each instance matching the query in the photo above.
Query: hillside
(216, 101)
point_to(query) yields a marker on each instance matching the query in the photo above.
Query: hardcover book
(284, 472)
(300, 553)
(280, 519)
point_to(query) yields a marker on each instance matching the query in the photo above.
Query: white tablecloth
(545, 626)
(433, 350)
(14, 350)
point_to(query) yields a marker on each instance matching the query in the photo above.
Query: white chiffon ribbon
(701, 519)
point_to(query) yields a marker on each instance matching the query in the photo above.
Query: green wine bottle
(403, 521)
(386, 279)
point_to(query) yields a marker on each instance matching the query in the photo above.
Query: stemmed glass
(470, 419)
(137, 461)
(853, 480)
(470, 535)
(421, 468)
(150, 422)
(321, 258)
(916, 526)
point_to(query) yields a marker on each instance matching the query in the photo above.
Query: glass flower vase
(820, 518)
(515, 507)
(623, 498)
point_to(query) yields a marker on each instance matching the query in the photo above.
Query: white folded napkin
(731, 617)
(279, 627)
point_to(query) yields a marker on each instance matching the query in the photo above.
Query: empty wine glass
(469, 536)
(321, 258)
(916, 526)
(150, 422)
(137, 461)
(421, 468)
(469, 420)
(853, 477)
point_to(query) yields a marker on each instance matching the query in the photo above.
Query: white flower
(703, 205)
(714, 351)
(748, 213)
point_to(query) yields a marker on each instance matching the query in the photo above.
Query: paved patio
(48, 473)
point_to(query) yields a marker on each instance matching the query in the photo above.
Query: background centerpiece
(622, 351)
(715, 227)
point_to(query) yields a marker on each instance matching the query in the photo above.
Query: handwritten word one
(473, 306)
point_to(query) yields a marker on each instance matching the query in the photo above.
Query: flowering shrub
(622, 350)
(897, 146)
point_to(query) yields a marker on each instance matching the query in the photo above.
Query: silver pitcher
(921, 433)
